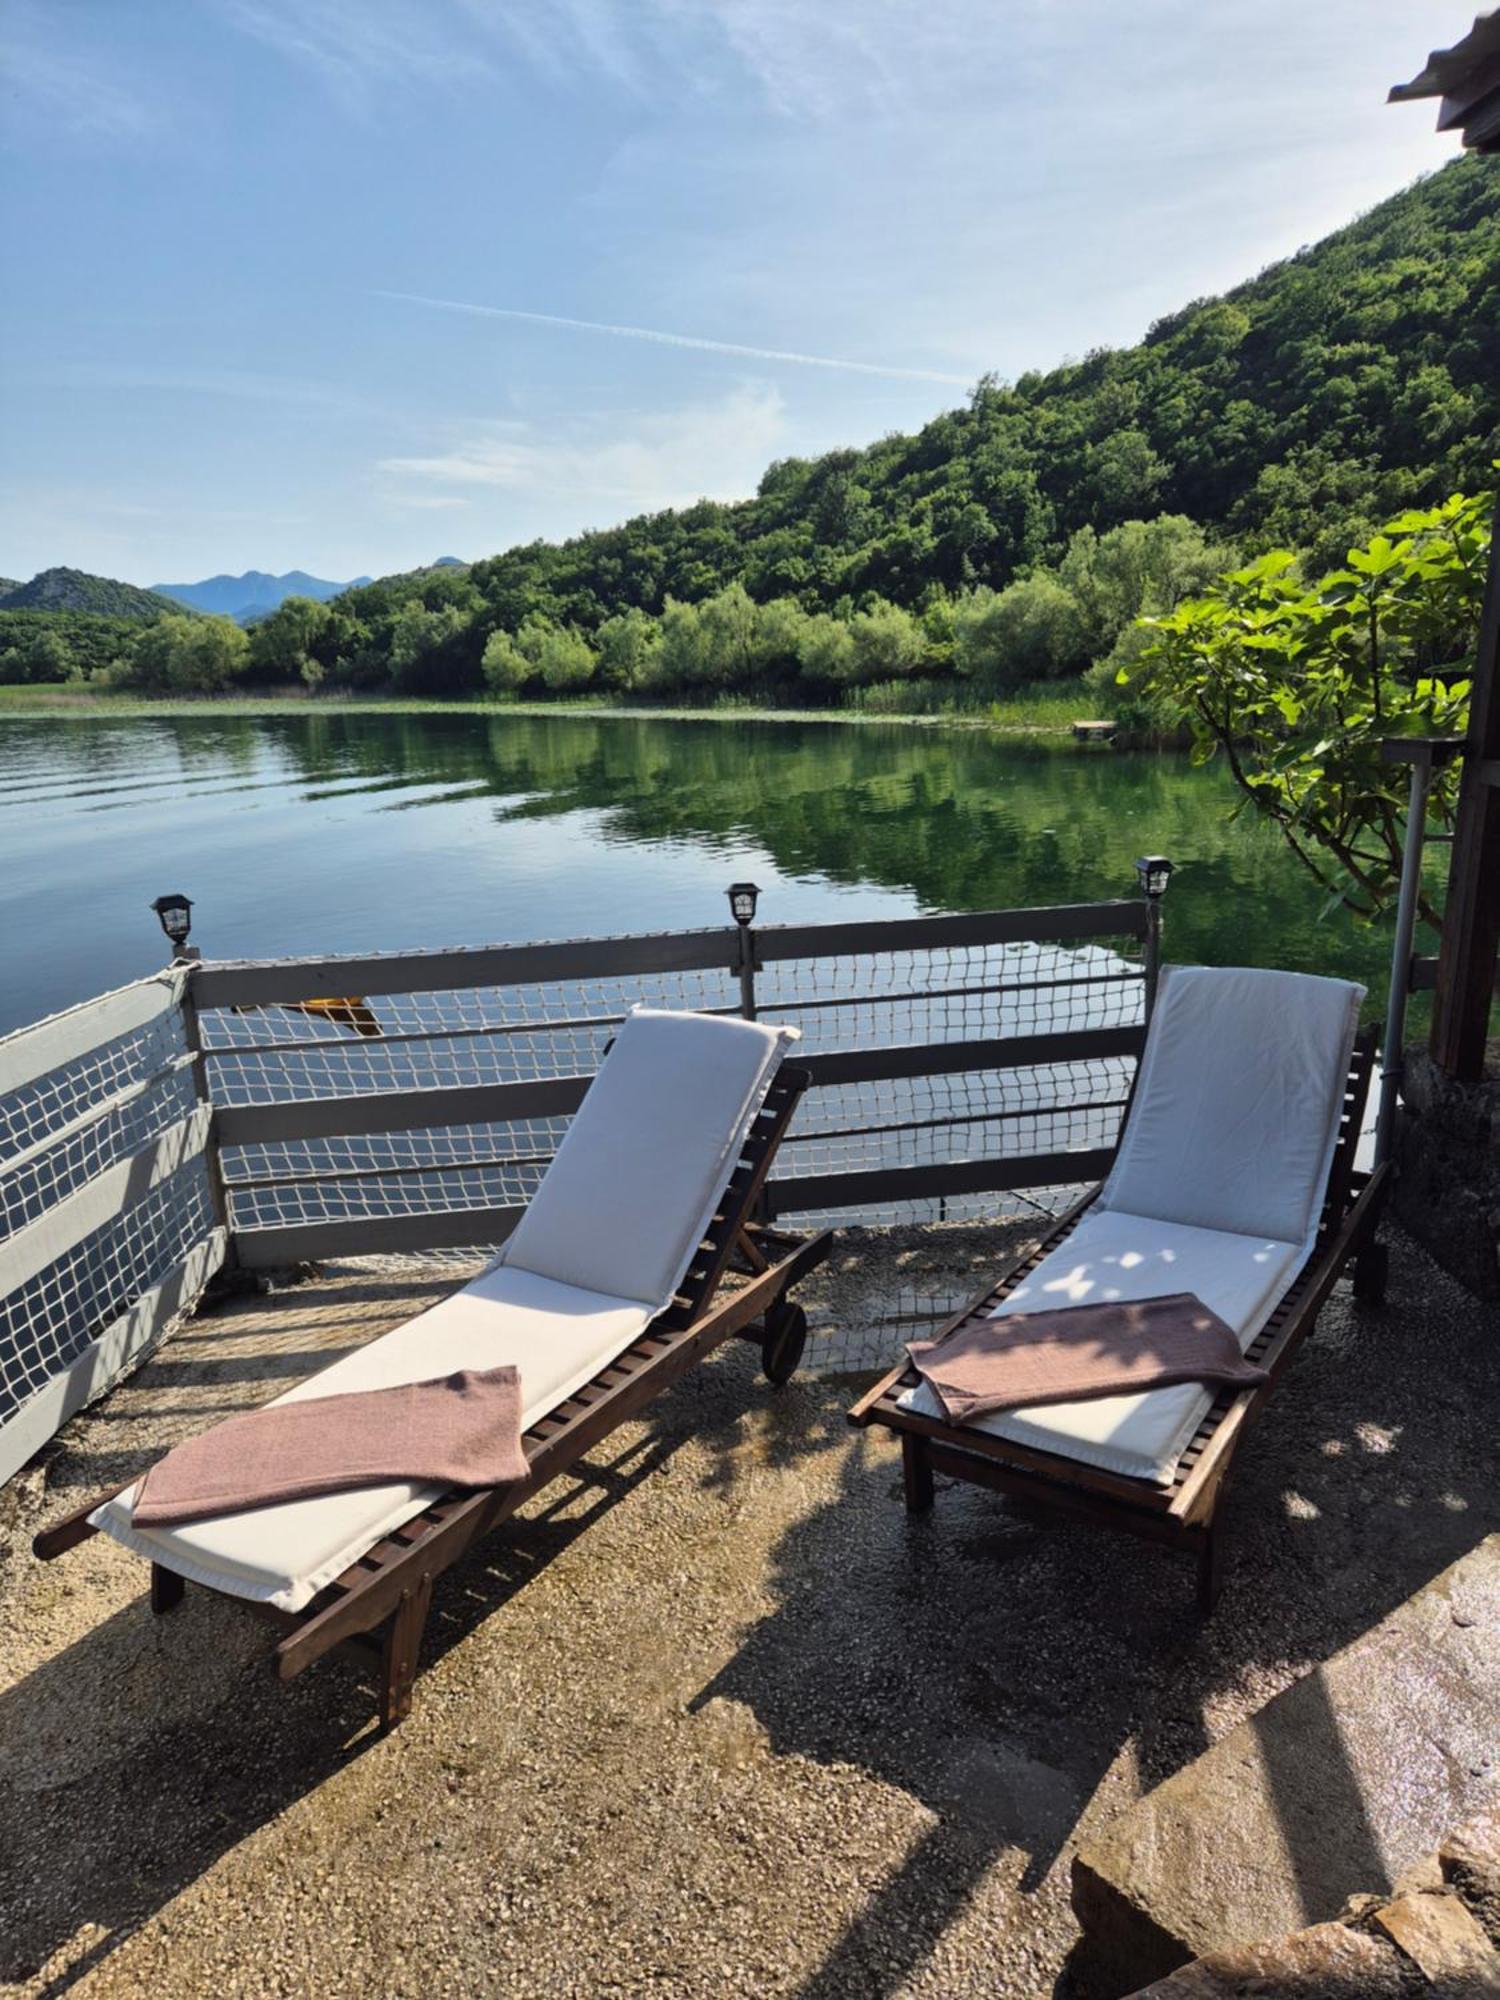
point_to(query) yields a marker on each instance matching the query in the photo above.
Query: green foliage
(283, 645)
(1019, 536)
(190, 654)
(1296, 685)
(76, 591)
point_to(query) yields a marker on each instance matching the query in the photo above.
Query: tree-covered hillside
(74, 590)
(1015, 538)
(1359, 377)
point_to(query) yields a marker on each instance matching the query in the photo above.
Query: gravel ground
(719, 1718)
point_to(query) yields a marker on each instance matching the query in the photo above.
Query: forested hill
(1357, 377)
(1014, 539)
(74, 590)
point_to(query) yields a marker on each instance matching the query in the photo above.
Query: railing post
(1425, 755)
(743, 897)
(174, 914)
(1153, 872)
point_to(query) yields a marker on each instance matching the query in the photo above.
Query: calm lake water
(343, 832)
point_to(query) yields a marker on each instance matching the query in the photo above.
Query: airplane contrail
(678, 339)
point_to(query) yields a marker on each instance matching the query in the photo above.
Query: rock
(1470, 1861)
(1439, 1936)
(1338, 1786)
(1328, 1961)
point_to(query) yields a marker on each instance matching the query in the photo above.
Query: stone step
(1336, 1788)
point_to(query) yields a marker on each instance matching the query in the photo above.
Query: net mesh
(59, 1131)
(65, 1126)
(465, 1037)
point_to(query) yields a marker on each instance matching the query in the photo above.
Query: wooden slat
(1125, 918)
(112, 1355)
(52, 1044)
(874, 1186)
(109, 1194)
(399, 1110)
(280, 1247)
(902, 1059)
(242, 983)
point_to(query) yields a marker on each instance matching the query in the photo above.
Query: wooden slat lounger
(1185, 1513)
(377, 1608)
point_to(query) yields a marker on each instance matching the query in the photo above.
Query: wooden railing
(269, 1114)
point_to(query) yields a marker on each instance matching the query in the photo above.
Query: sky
(347, 285)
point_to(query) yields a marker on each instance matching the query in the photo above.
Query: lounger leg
(400, 1645)
(916, 1473)
(166, 1588)
(1210, 1571)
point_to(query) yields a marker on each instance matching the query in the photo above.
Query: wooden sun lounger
(377, 1608)
(1183, 1515)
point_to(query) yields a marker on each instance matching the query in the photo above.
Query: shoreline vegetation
(1034, 535)
(1045, 711)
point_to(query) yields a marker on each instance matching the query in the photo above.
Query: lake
(336, 832)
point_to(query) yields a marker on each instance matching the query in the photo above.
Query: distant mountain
(76, 590)
(252, 595)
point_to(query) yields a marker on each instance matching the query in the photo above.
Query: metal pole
(747, 971)
(1393, 1051)
(1152, 952)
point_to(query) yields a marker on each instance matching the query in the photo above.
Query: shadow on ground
(1013, 1676)
(995, 1665)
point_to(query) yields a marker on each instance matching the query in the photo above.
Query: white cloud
(629, 464)
(63, 90)
(693, 340)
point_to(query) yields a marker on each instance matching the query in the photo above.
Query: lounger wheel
(1372, 1267)
(785, 1338)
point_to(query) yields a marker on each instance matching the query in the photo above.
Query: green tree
(188, 656)
(564, 659)
(282, 645)
(1295, 687)
(627, 646)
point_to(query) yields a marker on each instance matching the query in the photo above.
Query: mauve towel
(461, 1430)
(1076, 1353)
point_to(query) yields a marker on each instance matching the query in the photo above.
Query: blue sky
(228, 222)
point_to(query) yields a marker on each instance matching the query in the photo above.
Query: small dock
(1094, 732)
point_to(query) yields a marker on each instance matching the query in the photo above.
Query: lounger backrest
(1237, 1105)
(638, 1176)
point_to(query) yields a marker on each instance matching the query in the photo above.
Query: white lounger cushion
(1112, 1256)
(602, 1248)
(1217, 1189)
(557, 1336)
(1236, 1108)
(638, 1175)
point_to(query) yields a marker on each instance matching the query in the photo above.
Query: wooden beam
(280, 1247)
(902, 1059)
(1471, 915)
(1125, 918)
(873, 1187)
(243, 983)
(61, 1039)
(440, 1108)
(111, 1194)
(116, 1351)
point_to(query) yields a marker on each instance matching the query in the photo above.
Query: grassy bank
(1048, 710)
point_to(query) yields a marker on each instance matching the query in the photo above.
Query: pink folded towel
(461, 1430)
(1076, 1353)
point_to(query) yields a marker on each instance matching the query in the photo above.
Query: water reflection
(331, 831)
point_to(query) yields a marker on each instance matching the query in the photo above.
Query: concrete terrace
(716, 1717)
